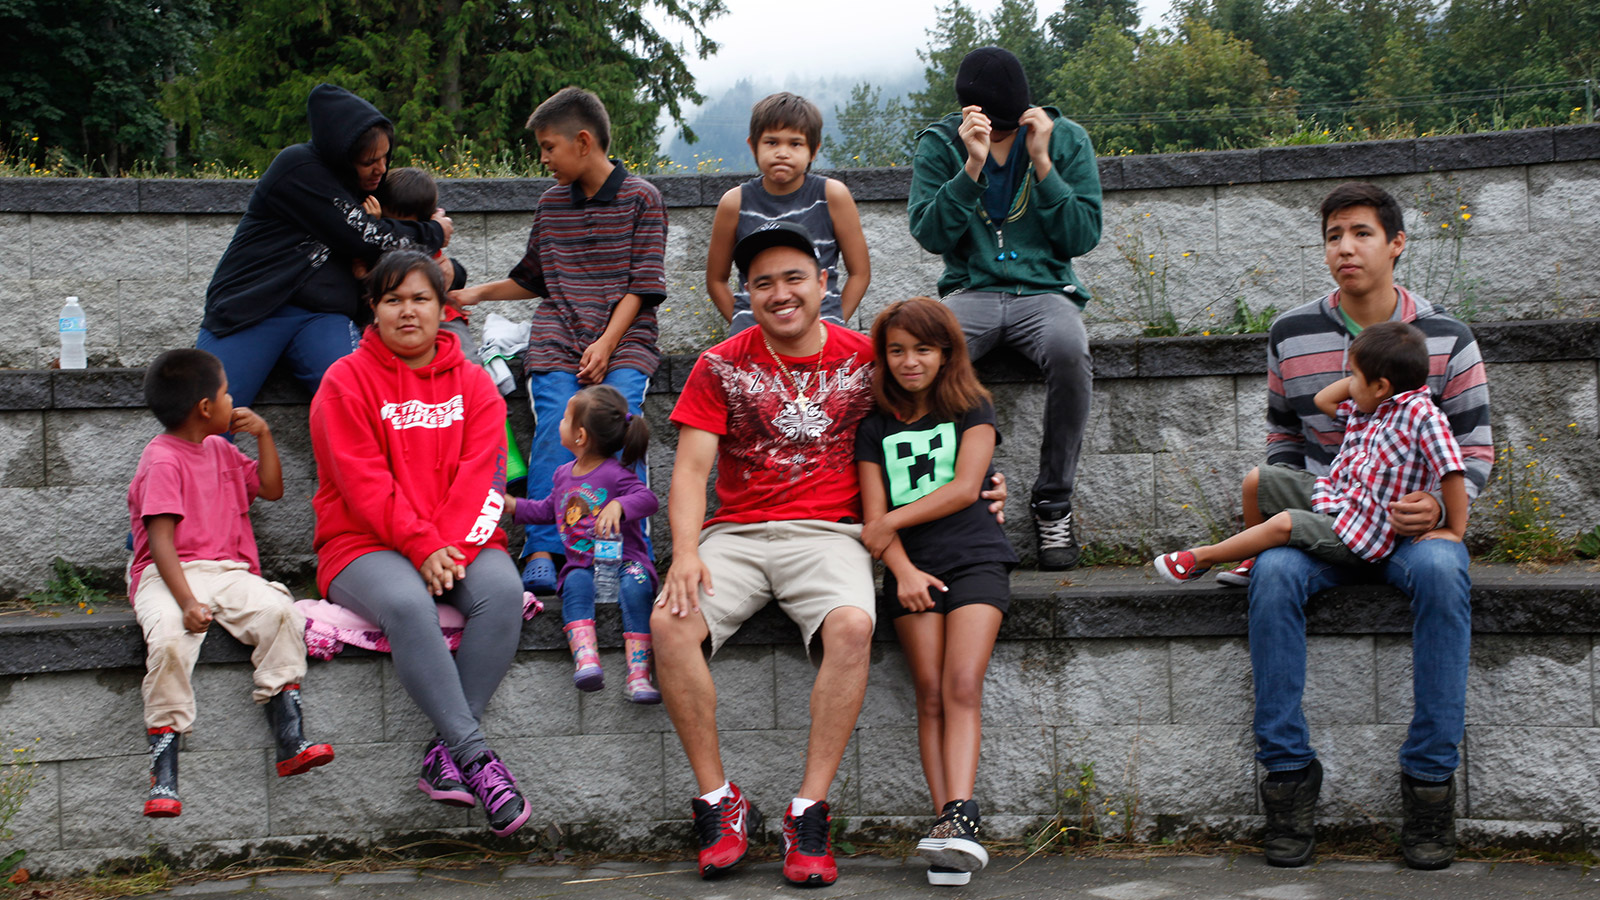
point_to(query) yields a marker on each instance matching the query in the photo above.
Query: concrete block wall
(1186, 233)
(1175, 425)
(1148, 685)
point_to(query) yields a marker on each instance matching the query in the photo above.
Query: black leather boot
(295, 753)
(163, 802)
(1291, 808)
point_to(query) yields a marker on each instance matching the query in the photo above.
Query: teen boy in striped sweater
(596, 259)
(1363, 235)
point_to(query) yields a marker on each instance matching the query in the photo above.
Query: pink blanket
(329, 626)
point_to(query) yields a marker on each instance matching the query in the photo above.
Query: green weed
(70, 585)
(17, 777)
(1526, 527)
(1588, 544)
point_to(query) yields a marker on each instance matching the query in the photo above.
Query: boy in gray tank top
(785, 132)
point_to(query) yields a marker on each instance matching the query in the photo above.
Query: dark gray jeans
(385, 589)
(1047, 329)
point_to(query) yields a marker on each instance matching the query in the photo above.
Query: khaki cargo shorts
(811, 567)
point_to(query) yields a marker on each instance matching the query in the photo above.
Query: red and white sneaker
(808, 847)
(1240, 576)
(1179, 567)
(724, 830)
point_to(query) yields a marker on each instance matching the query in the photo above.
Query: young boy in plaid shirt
(1396, 441)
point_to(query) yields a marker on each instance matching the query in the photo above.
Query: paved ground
(1172, 878)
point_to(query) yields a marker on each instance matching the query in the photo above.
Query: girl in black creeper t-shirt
(924, 456)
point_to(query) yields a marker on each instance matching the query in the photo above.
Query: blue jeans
(549, 392)
(1434, 575)
(310, 341)
(635, 597)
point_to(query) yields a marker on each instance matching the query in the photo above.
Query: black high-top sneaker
(295, 753)
(1058, 538)
(163, 802)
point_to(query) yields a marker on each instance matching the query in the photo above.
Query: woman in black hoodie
(284, 288)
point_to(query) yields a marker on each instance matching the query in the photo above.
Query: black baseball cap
(992, 78)
(773, 234)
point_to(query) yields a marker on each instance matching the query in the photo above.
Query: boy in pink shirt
(195, 561)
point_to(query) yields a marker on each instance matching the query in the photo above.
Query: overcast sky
(825, 38)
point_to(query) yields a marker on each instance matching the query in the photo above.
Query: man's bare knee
(672, 633)
(847, 629)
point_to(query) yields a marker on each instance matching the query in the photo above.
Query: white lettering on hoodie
(416, 414)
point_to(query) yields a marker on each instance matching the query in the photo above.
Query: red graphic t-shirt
(780, 459)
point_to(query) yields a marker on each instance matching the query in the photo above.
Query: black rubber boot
(295, 753)
(163, 802)
(1291, 808)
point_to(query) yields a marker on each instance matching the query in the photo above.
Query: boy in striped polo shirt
(596, 256)
(1307, 350)
(1395, 442)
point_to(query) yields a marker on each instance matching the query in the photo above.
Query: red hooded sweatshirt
(411, 460)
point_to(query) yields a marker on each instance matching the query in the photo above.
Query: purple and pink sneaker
(442, 779)
(503, 804)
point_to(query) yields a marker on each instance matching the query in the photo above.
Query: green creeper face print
(919, 462)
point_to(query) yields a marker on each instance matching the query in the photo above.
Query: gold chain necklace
(799, 394)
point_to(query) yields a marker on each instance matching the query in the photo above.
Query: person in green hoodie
(1008, 193)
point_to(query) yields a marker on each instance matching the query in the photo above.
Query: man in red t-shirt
(776, 408)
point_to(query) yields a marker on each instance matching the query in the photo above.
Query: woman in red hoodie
(410, 447)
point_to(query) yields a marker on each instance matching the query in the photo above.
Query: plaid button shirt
(1404, 445)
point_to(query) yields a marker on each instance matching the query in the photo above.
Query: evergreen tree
(84, 77)
(1193, 89)
(445, 72)
(1397, 84)
(871, 132)
(957, 32)
(1072, 25)
(1015, 26)
(1091, 85)
(1319, 52)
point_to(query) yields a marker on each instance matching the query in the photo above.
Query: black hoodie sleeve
(315, 200)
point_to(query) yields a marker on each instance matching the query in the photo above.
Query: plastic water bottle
(607, 570)
(73, 328)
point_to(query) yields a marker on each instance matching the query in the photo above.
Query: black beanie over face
(992, 77)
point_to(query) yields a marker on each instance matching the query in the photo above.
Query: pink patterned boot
(641, 662)
(587, 676)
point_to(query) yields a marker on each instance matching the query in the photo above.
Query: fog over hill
(723, 123)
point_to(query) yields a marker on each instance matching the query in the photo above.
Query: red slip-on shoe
(1179, 567)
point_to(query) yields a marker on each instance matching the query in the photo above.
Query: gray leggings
(384, 588)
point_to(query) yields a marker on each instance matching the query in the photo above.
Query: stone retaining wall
(1175, 424)
(1184, 233)
(1150, 688)
(1147, 684)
